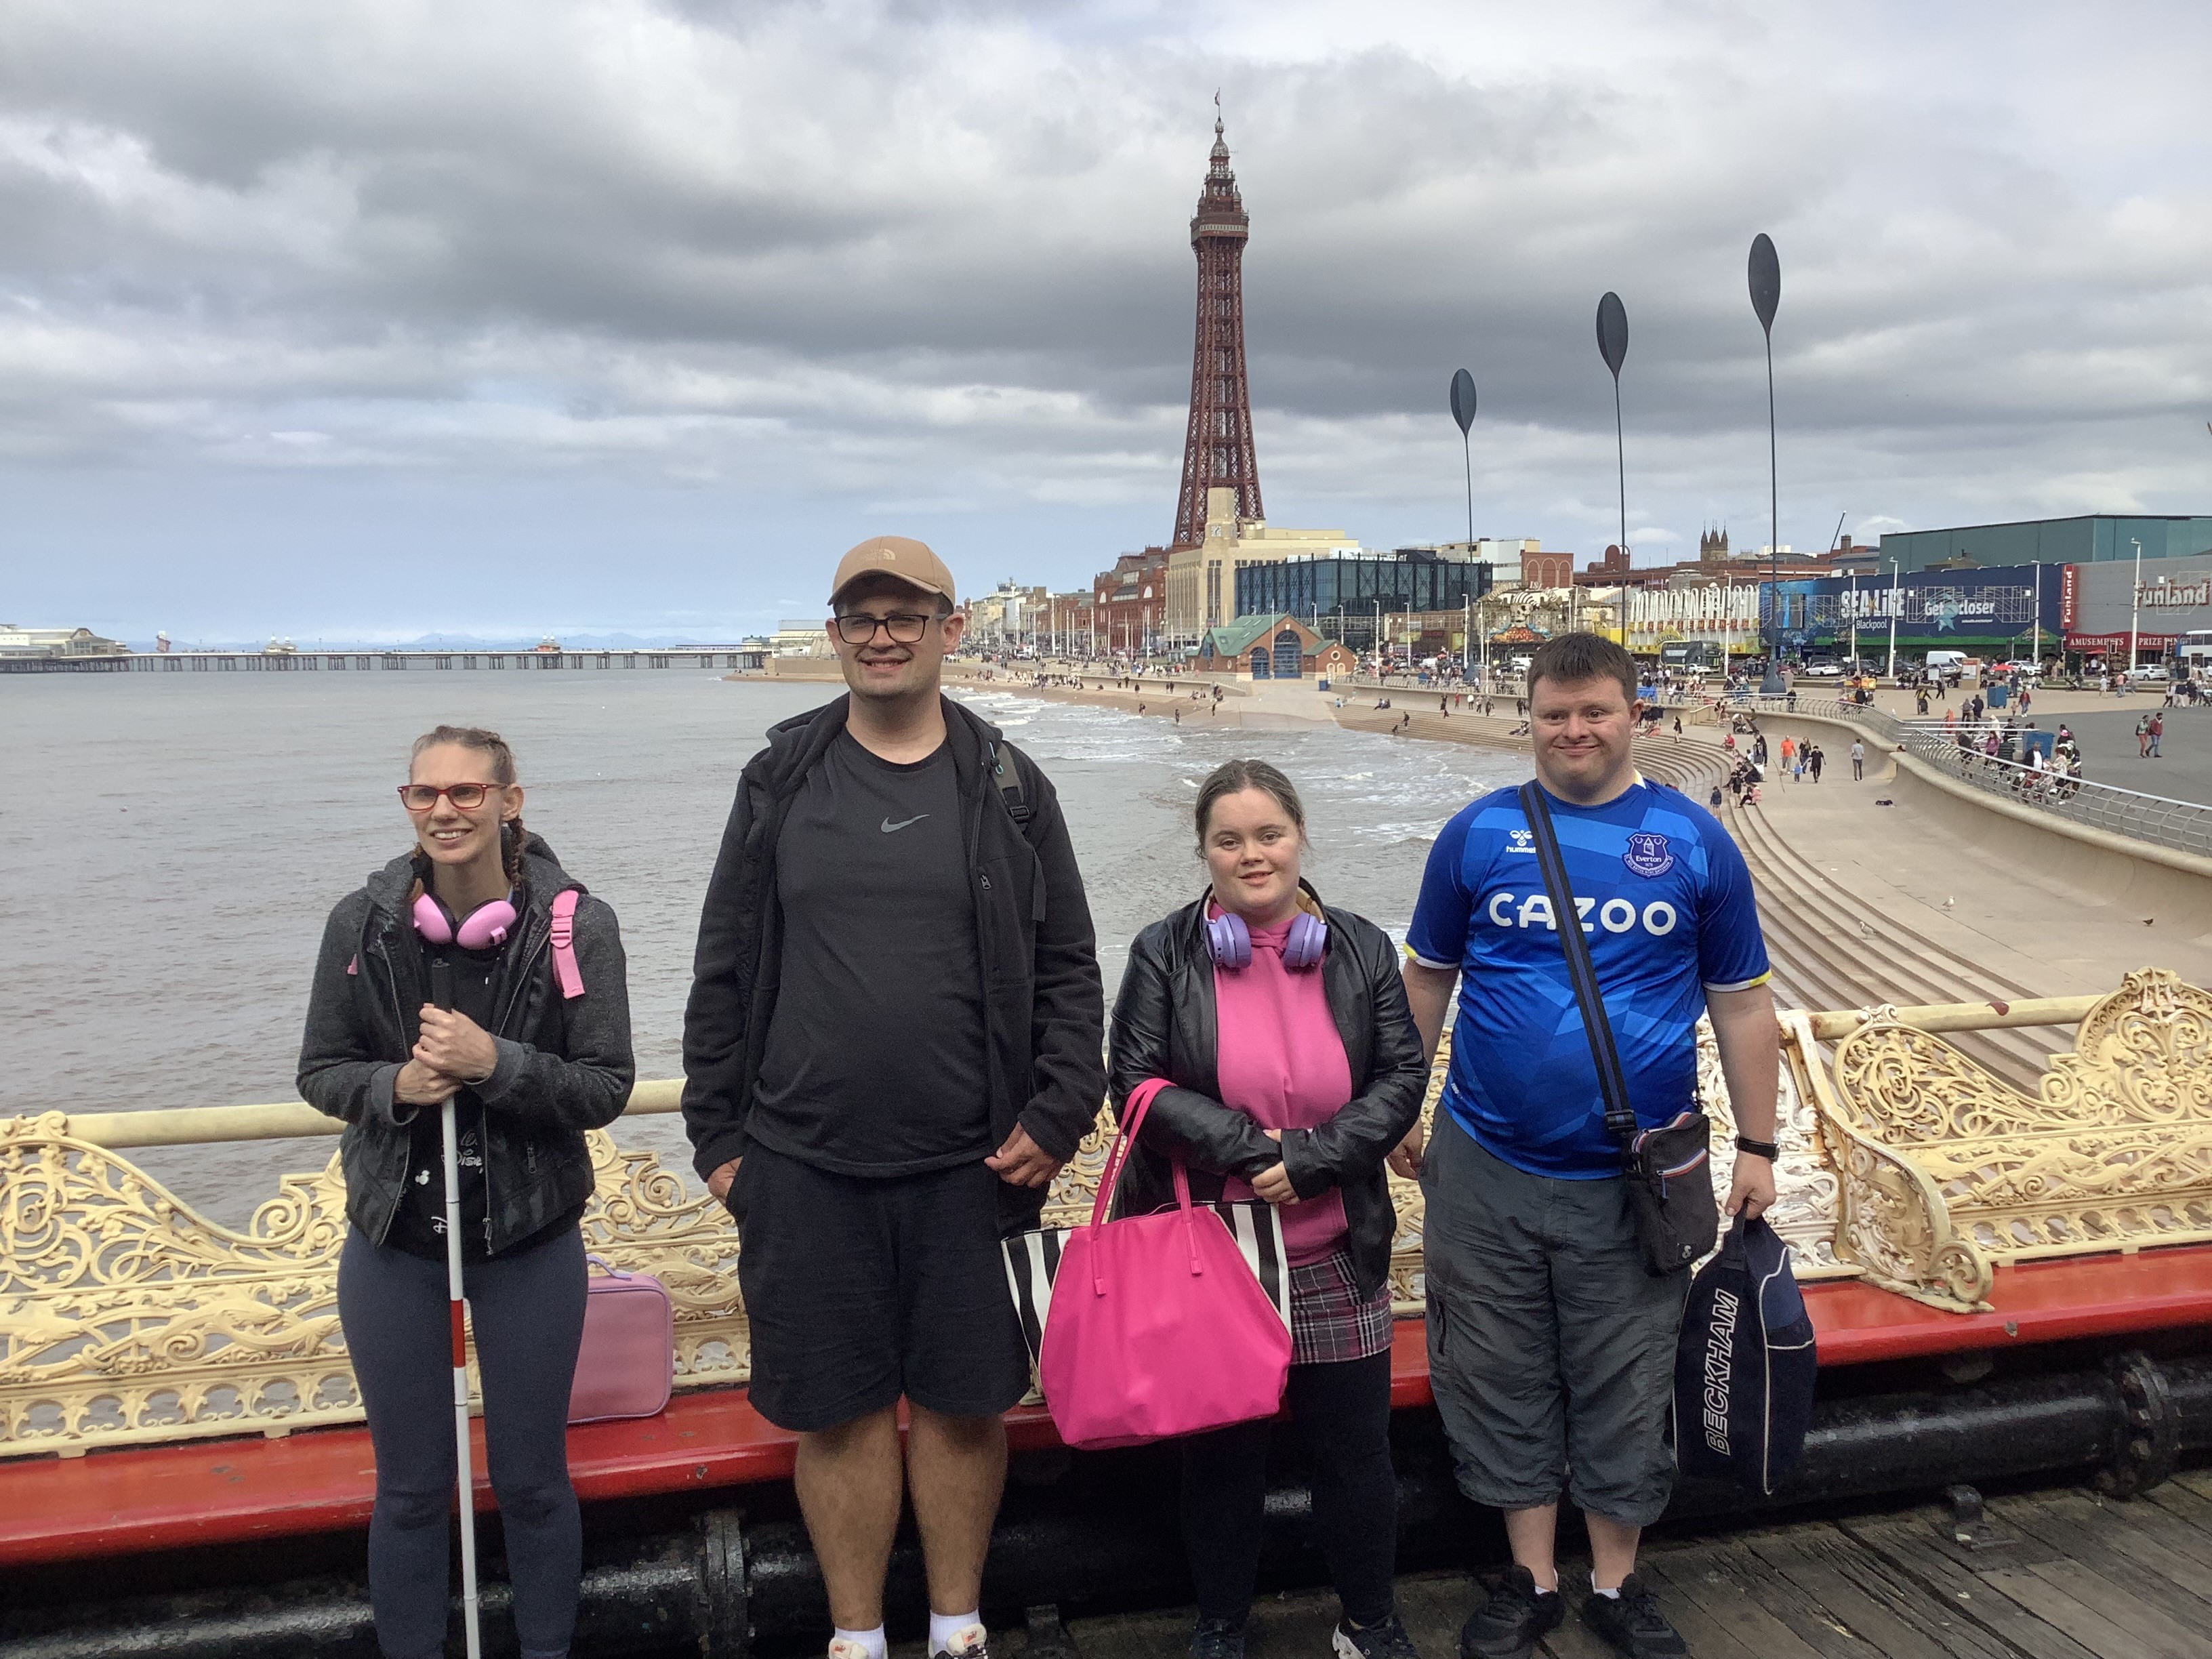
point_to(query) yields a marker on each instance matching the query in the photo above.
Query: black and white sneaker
(1387, 1640)
(1516, 1618)
(1216, 1638)
(968, 1642)
(1631, 1621)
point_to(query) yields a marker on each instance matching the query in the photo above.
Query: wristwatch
(1765, 1149)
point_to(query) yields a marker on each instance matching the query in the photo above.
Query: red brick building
(1129, 603)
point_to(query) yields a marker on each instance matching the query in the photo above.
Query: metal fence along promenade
(2186, 826)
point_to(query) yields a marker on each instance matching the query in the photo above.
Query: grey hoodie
(564, 1066)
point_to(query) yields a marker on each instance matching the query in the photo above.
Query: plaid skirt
(1330, 1321)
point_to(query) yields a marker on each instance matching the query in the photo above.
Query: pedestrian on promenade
(529, 1065)
(1546, 1330)
(892, 1042)
(1788, 753)
(2143, 737)
(1859, 760)
(2154, 731)
(1295, 1068)
(1813, 762)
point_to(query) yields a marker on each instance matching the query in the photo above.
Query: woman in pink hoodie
(1293, 1068)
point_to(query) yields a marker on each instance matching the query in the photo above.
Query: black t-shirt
(419, 1225)
(419, 1228)
(874, 1064)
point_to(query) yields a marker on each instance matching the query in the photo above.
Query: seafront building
(24, 643)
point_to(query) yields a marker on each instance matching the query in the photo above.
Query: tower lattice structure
(1217, 449)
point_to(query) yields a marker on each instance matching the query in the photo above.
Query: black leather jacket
(564, 1066)
(1164, 1026)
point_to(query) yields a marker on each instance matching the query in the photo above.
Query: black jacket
(564, 1066)
(1043, 1008)
(1164, 1026)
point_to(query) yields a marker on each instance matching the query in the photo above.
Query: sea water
(171, 848)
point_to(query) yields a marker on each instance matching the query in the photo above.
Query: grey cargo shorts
(1551, 1349)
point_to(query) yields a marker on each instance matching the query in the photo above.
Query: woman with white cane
(473, 975)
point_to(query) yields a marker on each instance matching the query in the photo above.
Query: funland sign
(2104, 603)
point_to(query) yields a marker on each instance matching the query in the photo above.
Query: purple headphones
(1229, 942)
(486, 926)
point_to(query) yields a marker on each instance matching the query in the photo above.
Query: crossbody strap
(1566, 918)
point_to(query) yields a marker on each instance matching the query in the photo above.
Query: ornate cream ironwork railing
(1945, 1173)
(126, 1318)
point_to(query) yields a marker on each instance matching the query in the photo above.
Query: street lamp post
(1894, 602)
(2134, 609)
(1765, 272)
(1613, 346)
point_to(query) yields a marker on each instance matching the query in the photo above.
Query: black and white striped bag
(1033, 1263)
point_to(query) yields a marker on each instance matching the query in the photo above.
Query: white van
(1943, 662)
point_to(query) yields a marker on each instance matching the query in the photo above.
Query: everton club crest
(1647, 854)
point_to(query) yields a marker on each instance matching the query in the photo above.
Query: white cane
(441, 994)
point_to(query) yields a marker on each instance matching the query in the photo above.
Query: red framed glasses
(465, 797)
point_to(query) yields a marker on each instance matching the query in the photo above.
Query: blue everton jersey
(1667, 907)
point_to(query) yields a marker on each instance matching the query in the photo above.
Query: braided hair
(502, 769)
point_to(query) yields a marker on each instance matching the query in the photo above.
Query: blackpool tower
(1218, 450)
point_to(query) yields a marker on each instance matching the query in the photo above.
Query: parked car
(1821, 671)
(2153, 673)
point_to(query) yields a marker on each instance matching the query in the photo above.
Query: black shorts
(859, 1291)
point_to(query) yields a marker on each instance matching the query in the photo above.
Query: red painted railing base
(131, 1501)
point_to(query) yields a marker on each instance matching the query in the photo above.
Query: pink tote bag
(627, 1360)
(1159, 1324)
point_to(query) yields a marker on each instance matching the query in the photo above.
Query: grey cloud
(916, 253)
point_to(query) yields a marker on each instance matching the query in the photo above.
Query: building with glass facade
(1340, 597)
(2093, 540)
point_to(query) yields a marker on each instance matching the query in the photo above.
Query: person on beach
(531, 1065)
(1295, 1068)
(1859, 760)
(1551, 1343)
(893, 1041)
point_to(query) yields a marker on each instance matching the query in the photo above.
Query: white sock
(871, 1642)
(1597, 1589)
(1552, 1589)
(943, 1626)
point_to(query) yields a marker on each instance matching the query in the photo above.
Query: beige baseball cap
(909, 560)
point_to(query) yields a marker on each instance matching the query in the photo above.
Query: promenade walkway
(2060, 1575)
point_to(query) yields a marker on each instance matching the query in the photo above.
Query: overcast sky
(367, 320)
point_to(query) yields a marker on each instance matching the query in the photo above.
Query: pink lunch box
(627, 1362)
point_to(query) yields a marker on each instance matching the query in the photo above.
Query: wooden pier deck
(2062, 1575)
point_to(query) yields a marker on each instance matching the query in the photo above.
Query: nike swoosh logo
(889, 826)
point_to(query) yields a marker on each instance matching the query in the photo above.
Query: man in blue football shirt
(1550, 1347)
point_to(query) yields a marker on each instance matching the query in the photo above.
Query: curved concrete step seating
(1945, 1173)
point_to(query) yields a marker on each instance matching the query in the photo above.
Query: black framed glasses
(465, 797)
(905, 627)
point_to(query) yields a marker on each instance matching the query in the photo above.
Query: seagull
(1950, 902)
(1865, 932)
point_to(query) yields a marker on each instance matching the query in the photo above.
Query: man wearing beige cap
(893, 1041)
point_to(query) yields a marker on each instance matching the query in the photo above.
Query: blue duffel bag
(1744, 1371)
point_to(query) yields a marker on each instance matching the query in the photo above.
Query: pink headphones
(486, 926)
(1229, 942)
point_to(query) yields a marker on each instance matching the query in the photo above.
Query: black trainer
(1631, 1621)
(1509, 1624)
(1216, 1638)
(1387, 1640)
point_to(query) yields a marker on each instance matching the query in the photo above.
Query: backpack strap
(564, 943)
(1009, 781)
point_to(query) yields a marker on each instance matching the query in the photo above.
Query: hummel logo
(889, 826)
(1522, 841)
